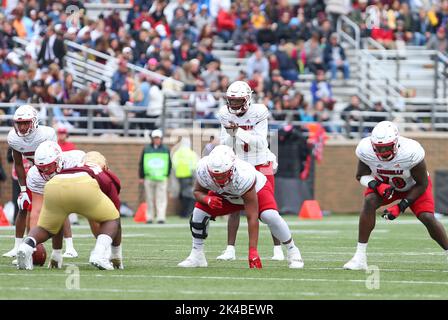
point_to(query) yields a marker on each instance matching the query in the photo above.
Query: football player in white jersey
(244, 128)
(393, 168)
(46, 165)
(24, 139)
(225, 185)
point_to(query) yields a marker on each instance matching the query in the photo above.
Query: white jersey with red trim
(36, 182)
(396, 172)
(243, 178)
(28, 145)
(250, 140)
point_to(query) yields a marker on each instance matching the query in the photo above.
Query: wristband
(22, 188)
(366, 180)
(404, 204)
(373, 184)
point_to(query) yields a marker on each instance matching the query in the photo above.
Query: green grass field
(411, 265)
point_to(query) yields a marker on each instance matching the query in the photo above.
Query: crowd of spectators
(174, 39)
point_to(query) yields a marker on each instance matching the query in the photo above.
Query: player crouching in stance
(226, 185)
(393, 168)
(87, 190)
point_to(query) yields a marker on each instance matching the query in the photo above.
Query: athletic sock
(103, 243)
(68, 243)
(116, 251)
(361, 249)
(17, 242)
(198, 244)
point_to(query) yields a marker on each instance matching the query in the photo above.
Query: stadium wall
(336, 188)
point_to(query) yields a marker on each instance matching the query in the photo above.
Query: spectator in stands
(352, 113)
(202, 102)
(438, 41)
(202, 19)
(184, 164)
(336, 8)
(226, 22)
(113, 21)
(155, 168)
(325, 116)
(62, 139)
(314, 53)
(211, 73)
(288, 67)
(258, 62)
(155, 107)
(189, 73)
(335, 59)
(244, 39)
(119, 81)
(383, 34)
(266, 36)
(378, 107)
(52, 50)
(422, 28)
(283, 31)
(10, 66)
(325, 31)
(321, 90)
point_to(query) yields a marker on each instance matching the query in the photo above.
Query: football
(39, 255)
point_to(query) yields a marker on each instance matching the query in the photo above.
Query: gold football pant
(65, 194)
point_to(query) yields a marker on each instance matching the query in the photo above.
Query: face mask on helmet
(49, 170)
(237, 106)
(222, 178)
(23, 127)
(385, 152)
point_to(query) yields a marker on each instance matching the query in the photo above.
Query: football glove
(384, 190)
(213, 202)
(254, 259)
(23, 201)
(393, 212)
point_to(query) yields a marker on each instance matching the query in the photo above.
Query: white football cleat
(55, 261)
(11, 253)
(295, 259)
(194, 260)
(25, 257)
(356, 263)
(278, 254)
(70, 253)
(14, 262)
(100, 261)
(228, 254)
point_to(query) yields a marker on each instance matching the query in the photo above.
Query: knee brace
(201, 226)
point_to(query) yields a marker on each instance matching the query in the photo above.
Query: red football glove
(385, 190)
(391, 213)
(254, 259)
(213, 202)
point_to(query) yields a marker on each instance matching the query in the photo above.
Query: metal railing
(81, 62)
(343, 25)
(179, 113)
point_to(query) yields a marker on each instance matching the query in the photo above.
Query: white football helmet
(221, 164)
(48, 159)
(384, 139)
(238, 97)
(25, 120)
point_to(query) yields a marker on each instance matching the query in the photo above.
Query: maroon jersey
(107, 180)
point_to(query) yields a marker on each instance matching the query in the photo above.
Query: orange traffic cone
(3, 220)
(140, 215)
(310, 210)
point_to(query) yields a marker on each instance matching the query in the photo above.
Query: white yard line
(190, 277)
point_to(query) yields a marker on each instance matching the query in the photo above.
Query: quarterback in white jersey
(244, 128)
(226, 185)
(393, 168)
(24, 139)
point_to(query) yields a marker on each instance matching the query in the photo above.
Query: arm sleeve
(257, 137)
